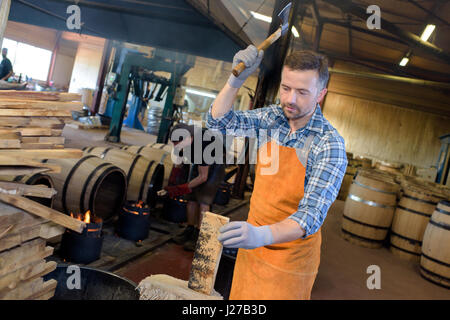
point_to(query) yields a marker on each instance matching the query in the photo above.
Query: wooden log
(43, 211)
(39, 154)
(207, 254)
(28, 190)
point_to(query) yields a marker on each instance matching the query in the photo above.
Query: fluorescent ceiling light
(427, 32)
(201, 93)
(404, 62)
(261, 17)
(268, 19)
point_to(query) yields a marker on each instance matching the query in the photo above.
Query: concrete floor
(343, 269)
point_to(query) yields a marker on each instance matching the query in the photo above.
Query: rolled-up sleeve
(323, 184)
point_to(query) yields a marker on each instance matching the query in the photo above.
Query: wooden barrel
(144, 177)
(34, 180)
(369, 209)
(389, 167)
(346, 182)
(158, 155)
(166, 147)
(91, 184)
(360, 162)
(411, 217)
(435, 258)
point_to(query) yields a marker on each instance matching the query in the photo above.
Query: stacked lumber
(24, 228)
(31, 125)
(35, 120)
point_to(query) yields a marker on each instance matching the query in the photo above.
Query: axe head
(284, 16)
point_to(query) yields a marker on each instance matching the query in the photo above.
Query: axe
(284, 16)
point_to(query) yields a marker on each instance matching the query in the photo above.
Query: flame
(82, 217)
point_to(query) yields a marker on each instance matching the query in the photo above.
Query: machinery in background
(133, 70)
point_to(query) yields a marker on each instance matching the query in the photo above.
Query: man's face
(4, 53)
(300, 92)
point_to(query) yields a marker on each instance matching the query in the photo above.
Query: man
(6, 69)
(301, 164)
(204, 178)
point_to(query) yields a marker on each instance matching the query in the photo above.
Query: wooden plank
(47, 154)
(207, 254)
(22, 255)
(29, 272)
(20, 170)
(51, 140)
(23, 291)
(27, 190)
(47, 291)
(32, 132)
(40, 122)
(39, 145)
(34, 113)
(38, 95)
(48, 105)
(15, 239)
(50, 230)
(43, 211)
(9, 143)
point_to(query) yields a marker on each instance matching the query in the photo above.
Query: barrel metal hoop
(362, 238)
(141, 191)
(103, 155)
(420, 200)
(69, 177)
(140, 149)
(414, 211)
(365, 224)
(86, 183)
(372, 188)
(130, 172)
(442, 211)
(440, 225)
(99, 180)
(369, 203)
(437, 276)
(406, 238)
(436, 261)
(404, 250)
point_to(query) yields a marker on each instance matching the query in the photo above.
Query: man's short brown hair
(309, 60)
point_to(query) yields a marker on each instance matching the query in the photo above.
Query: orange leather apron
(283, 271)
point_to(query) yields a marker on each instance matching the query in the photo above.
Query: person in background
(6, 69)
(203, 181)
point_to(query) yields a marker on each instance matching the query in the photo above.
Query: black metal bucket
(225, 271)
(223, 194)
(134, 223)
(82, 247)
(94, 284)
(175, 210)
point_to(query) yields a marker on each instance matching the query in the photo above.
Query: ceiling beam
(430, 12)
(347, 6)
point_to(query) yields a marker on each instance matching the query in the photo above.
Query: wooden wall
(387, 120)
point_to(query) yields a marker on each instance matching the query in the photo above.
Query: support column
(104, 69)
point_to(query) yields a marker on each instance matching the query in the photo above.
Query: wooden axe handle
(263, 46)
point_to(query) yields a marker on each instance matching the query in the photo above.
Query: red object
(174, 175)
(179, 190)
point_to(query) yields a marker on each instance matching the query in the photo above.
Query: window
(28, 60)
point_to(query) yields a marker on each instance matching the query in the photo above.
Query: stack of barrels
(412, 214)
(354, 162)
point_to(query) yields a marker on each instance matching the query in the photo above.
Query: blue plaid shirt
(327, 159)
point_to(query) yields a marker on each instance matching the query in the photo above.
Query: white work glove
(240, 234)
(251, 58)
